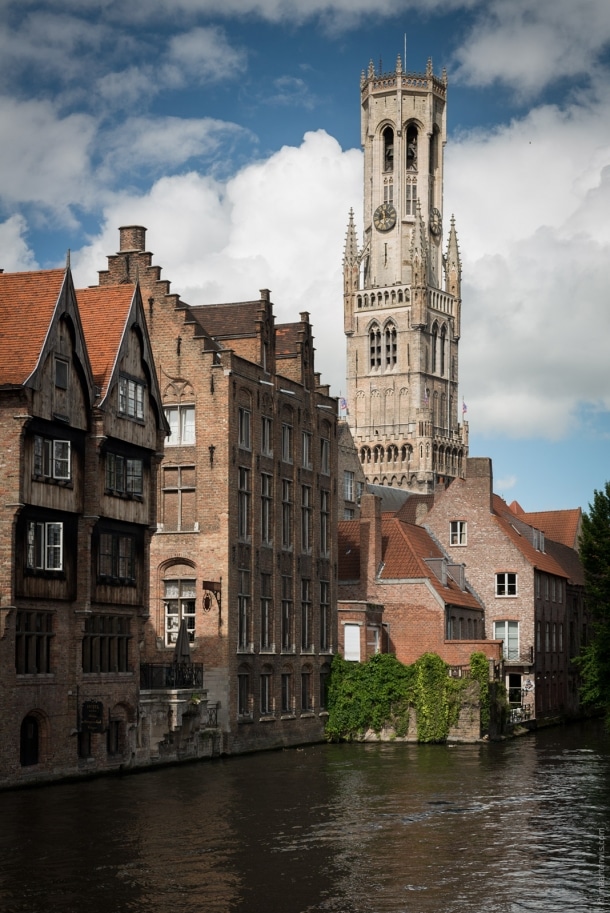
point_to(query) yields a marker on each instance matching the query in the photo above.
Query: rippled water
(519, 826)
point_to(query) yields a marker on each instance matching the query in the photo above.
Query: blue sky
(231, 130)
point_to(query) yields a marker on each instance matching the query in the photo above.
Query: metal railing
(160, 676)
(520, 714)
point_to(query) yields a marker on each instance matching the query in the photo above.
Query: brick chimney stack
(370, 537)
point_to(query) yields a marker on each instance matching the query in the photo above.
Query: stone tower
(402, 293)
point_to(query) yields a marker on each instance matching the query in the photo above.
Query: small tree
(594, 659)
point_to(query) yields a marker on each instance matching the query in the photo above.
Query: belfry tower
(402, 292)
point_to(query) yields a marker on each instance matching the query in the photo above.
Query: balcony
(161, 676)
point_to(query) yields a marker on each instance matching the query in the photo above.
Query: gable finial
(68, 259)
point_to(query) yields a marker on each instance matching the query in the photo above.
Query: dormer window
(61, 373)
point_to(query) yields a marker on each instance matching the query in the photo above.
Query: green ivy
(479, 670)
(380, 692)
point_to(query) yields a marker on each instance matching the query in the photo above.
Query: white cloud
(16, 255)
(529, 45)
(533, 213)
(278, 224)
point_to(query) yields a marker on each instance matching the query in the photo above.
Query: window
(375, 347)
(410, 199)
(324, 522)
(243, 503)
(61, 373)
(306, 515)
(44, 546)
(348, 485)
(266, 693)
(287, 616)
(244, 437)
(179, 498)
(33, 633)
(324, 615)
(287, 698)
(266, 509)
(266, 436)
(243, 695)
(390, 346)
(352, 642)
(306, 617)
(105, 645)
(457, 532)
(506, 584)
(547, 637)
(287, 443)
(266, 613)
(325, 456)
(51, 458)
(306, 447)
(286, 513)
(181, 421)
(29, 739)
(123, 476)
(306, 692)
(244, 620)
(538, 637)
(117, 558)
(324, 680)
(131, 398)
(508, 631)
(180, 603)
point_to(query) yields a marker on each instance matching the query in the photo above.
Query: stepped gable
(287, 337)
(27, 304)
(110, 305)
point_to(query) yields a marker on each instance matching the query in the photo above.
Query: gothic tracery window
(390, 346)
(375, 347)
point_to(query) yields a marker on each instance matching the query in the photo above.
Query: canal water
(492, 828)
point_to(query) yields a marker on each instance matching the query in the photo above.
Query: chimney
(133, 238)
(370, 537)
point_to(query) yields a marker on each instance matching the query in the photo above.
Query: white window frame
(504, 584)
(286, 442)
(243, 502)
(325, 456)
(306, 439)
(179, 605)
(181, 421)
(348, 485)
(266, 435)
(131, 398)
(458, 532)
(508, 632)
(45, 546)
(52, 458)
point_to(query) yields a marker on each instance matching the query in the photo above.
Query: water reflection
(354, 829)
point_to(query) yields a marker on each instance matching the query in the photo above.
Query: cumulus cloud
(528, 45)
(278, 224)
(532, 201)
(16, 255)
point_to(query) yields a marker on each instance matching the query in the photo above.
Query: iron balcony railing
(520, 714)
(159, 676)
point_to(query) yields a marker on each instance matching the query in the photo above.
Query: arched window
(433, 345)
(375, 347)
(411, 148)
(442, 351)
(388, 149)
(390, 346)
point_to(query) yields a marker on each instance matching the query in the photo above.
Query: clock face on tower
(436, 223)
(384, 217)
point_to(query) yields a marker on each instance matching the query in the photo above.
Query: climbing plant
(479, 671)
(379, 693)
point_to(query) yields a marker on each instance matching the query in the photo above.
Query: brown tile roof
(236, 320)
(27, 304)
(286, 338)
(404, 550)
(568, 558)
(559, 525)
(543, 561)
(104, 311)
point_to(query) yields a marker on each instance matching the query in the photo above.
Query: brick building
(399, 593)
(245, 544)
(82, 430)
(530, 584)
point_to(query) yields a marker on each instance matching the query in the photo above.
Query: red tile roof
(404, 550)
(27, 305)
(104, 311)
(560, 525)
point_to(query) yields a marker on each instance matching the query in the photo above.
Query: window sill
(248, 648)
(26, 678)
(268, 650)
(307, 714)
(244, 720)
(267, 718)
(288, 716)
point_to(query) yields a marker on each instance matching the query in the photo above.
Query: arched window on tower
(433, 345)
(388, 149)
(442, 351)
(390, 346)
(374, 347)
(411, 148)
